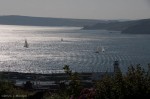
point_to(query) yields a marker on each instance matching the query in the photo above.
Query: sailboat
(97, 50)
(103, 50)
(61, 39)
(100, 49)
(26, 44)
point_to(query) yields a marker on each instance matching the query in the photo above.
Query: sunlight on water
(47, 53)
(24, 28)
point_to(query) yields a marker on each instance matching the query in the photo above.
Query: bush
(8, 91)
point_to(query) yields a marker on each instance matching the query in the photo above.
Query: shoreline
(41, 77)
(49, 81)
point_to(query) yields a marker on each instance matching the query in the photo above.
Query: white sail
(103, 50)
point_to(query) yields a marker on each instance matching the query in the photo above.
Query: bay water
(50, 48)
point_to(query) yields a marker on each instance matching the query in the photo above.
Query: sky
(80, 9)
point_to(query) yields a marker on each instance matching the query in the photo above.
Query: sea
(50, 48)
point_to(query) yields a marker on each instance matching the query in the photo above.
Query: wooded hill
(132, 27)
(46, 21)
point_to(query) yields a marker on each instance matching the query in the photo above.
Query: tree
(74, 84)
(135, 83)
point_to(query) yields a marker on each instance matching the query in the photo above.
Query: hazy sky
(92, 9)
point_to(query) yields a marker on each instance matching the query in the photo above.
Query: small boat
(26, 44)
(97, 50)
(62, 39)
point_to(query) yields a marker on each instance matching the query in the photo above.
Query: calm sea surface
(48, 54)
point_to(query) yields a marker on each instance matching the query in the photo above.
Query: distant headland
(45, 21)
(130, 27)
(127, 26)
